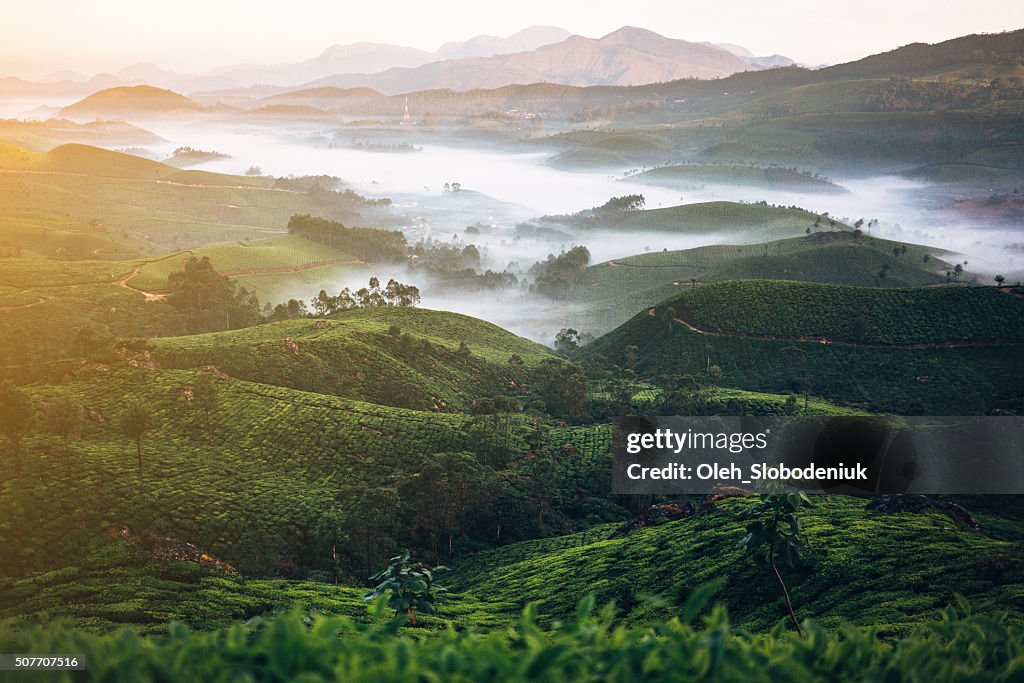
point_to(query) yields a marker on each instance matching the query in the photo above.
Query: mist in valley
(501, 189)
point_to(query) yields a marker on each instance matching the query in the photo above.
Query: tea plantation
(942, 350)
(407, 357)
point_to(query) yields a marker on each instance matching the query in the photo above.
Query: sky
(193, 36)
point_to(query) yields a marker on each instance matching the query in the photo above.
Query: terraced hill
(853, 574)
(259, 480)
(942, 350)
(616, 289)
(744, 223)
(395, 356)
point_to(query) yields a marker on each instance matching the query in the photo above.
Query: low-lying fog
(501, 189)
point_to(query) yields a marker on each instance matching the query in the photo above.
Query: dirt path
(123, 282)
(38, 301)
(652, 312)
(150, 296)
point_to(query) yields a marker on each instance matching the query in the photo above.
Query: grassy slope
(44, 303)
(936, 379)
(356, 357)
(855, 573)
(146, 201)
(893, 316)
(238, 258)
(119, 586)
(615, 290)
(761, 222)
(275, 468)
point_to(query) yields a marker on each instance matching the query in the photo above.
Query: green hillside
(143, 203)
(829, 257)
(55, 311)
(395, 356)
(941, 350)
(853, 575)
(930, 315)
(743, 222)
(254, 263)
(615, 290)
(269, 479)
(766, 222)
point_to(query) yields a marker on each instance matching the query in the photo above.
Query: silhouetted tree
(136, 420)
(64, 418)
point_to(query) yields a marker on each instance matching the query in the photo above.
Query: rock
(162, 549)
(659, 513)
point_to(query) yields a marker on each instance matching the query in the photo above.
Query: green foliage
(409, 586)
(136, 420)
(856, 575)
(210, 301)
(957, 647)
(773, 534)
(774, 538)
(64, 418)
(354, 355)
(366, 243)
(933, 350)
(563, 388)
(557, 276)
(394, 294)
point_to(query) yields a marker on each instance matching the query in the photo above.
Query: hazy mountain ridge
(628, 56)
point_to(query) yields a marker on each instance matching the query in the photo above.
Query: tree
(204, 399)
(409, 586)
(210, 301)
(562, 387)
(567, 341)
(136, 420)
(64, 418)
(373, 518)
(16, 414)
(715, 374)
(773, 536)
(999, 280)
(790, 406)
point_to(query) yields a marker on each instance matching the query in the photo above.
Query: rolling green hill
(399, 356)
(613, 291)
(151, 205)
(259, 480)
(853, 574)
(942, 350)
(901, 317)
(258, 265)
(742, 222)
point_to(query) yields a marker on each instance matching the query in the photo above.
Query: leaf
(699, 598)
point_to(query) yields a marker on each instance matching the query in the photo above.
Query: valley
(259, 339)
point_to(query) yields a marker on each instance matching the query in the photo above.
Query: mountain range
(628, 56)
